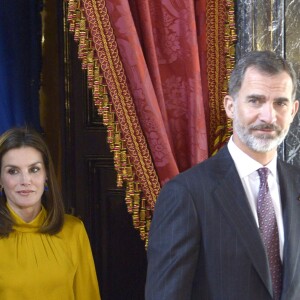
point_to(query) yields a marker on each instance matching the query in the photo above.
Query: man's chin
(265, 136)
(264, 144)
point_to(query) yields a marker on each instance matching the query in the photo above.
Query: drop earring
(1, 191)
(46, 189)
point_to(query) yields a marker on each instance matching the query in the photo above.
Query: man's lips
(266, 127)
(265, 130)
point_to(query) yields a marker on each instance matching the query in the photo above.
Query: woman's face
(23, 177)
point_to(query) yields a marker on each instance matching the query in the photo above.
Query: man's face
(262, 111)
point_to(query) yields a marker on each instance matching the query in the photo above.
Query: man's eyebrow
(262, 97)
(256, 96)
(282, 99)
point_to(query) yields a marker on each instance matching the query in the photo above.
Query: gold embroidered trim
(221, 38)
(112, 98)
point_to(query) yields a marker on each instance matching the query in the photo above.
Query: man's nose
(268, 113)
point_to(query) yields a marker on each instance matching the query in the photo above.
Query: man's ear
(229, 106)
(295, 108)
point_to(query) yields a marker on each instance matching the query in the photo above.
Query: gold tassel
(136, 204)
(223, 131)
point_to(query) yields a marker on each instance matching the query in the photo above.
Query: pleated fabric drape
(153, 70)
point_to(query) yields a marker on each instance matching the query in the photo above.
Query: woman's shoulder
(72, 219)
(72, 225)
(73, 235)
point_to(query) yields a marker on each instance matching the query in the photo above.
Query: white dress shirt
(247, 169)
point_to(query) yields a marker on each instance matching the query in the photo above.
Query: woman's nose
(25, 178)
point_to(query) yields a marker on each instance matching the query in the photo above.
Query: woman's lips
(25, 192)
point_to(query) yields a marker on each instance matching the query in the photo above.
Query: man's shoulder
(210, 169)
(288, 165)
(288, 169)
(222, 157)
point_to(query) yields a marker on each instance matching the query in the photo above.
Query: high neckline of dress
(33, 226)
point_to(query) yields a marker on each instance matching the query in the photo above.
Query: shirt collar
(245, 164)
(22, 226)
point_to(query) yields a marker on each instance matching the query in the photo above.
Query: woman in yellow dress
(44, 253)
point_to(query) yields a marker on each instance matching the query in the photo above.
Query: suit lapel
(290, 192)
(233, 201)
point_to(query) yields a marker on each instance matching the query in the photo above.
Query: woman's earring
(1, 191)
(46, 189)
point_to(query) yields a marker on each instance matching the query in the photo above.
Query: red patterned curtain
(154, 67)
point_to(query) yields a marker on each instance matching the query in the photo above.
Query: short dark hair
(52, 200)
(265, 61)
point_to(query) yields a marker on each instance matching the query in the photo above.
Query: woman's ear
(229, 106)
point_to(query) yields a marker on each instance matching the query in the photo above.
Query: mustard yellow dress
(35, 266)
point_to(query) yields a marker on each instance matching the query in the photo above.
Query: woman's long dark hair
(52, 200)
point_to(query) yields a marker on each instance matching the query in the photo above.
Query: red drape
(157, 42)
(153, 56)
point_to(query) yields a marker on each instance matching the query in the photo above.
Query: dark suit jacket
(204, 242)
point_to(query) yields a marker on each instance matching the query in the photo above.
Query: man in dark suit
(207, 238)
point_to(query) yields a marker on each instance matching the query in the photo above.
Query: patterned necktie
(269, 231)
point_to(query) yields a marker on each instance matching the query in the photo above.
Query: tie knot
(263, 173)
